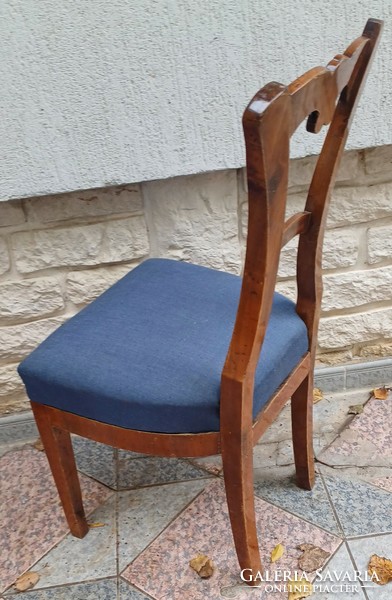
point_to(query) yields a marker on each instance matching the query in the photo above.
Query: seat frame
(323, 95)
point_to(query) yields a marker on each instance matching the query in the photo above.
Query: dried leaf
(26, 581)
(203, 566)
(312, 558)
(95, 525)
(299, 588)
(277, 553)
(317, 395)
(305, 547)
(381, 567)
(38, 445)
(355, 409)
(381, 393)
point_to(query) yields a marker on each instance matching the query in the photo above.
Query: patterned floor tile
(31, 518)
(96, 460)
(105, 589)
(6, 448)
(163, 571)
(264, 455)
(332, 586)
(130, 454)
(361, 508)
(143, 513)
(362, 550)
(75, 560)
(212, 464)
(378, 476)
(151, 470)
(278, 486)
(367, 441)
(127, 592)
(384, 483)
(330, 415)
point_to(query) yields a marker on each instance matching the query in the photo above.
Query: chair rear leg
(238, 475)
(302, 429)
(59, 451)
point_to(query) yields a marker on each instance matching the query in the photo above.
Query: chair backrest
(323, 95)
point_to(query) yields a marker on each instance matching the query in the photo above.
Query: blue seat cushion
(149, 352)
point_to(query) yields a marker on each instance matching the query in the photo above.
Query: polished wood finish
(158, 444)
(322, 96)
(58, 448)
(302, 432)
(280, 398)
(297, 224)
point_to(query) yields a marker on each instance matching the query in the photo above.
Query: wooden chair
(143, 367)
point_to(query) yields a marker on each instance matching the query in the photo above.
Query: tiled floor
(367, 440)
(152, 515)
(32, 521)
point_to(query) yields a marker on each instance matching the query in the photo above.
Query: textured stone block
(288, 288)
(18, 340)
(380, 349)
(359, 204)
(350, 166)
(288, 259)
(195, 218)
(30, 299)
(334, 357)
(4, 257)
(340, 250)
(243, 218)
(110, 241)
(88, 203)
(350, 205)
(357, 288)
(347, 290)
(295, 203)
(378, 160)
(125, 240)
(84, 286)
(11, 213)
(14, 403)
(346, 330)
(10, 382)
(301, 169)
(379, 243)
(71, 246)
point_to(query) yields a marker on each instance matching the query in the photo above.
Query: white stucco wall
(96, 93)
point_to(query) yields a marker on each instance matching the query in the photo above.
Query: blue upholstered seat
(148, 353)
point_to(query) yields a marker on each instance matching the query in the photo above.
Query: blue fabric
(148, 353)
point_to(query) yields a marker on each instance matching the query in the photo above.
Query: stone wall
(57, 253)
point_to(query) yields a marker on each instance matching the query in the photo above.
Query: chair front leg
(302, 430)
(59, 451)
(237, 458)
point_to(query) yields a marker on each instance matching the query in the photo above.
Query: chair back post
(344, 78)
(269, 120)
(266, 124)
